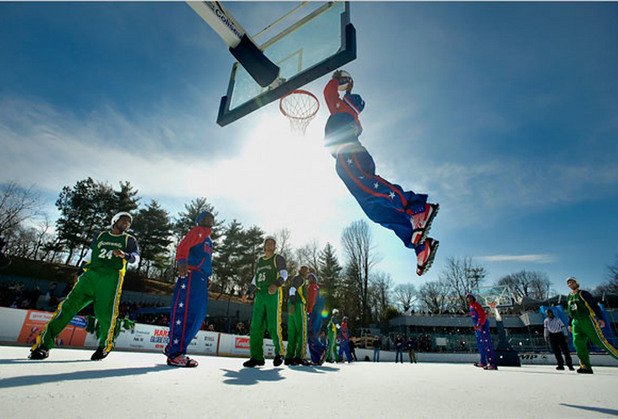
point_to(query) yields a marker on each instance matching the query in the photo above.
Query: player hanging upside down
(407, 213)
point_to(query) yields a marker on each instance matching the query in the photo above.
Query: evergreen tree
(186, 220)
(153, 230)
(84, 210)
(227, 266)
(252, 248)
(329, 274)
(125, 199)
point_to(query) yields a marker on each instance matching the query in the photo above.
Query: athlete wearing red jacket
(408, 214)
(483, 336)
(190, 298)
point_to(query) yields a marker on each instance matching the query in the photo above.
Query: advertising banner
(72, 335)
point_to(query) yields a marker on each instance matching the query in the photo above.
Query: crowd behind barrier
(28, 293)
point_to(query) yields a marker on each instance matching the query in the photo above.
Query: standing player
(406, 213)
(190, 298)
(585, 324)
(483, 337)
(315, 303)
(99, 284)
(332, 327)
(269, 277)
(297, 320)
(344, 340)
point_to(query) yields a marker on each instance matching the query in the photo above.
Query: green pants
(266, 314)
(331, 353)
(103, 289)
(587, 329)
(297, 332)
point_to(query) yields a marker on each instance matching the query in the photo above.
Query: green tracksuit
(267, 307)
(584, 311)
(331, 353)
(297, 321)
(100, 284)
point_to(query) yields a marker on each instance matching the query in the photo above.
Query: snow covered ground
(140, 385)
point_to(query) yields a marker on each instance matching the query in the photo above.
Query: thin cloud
(539, 258)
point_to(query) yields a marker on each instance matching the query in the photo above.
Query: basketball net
(299, 107)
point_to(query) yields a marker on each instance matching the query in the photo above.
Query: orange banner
(35, 321)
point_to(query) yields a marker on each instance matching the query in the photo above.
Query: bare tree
(462, 277)
(405, 295)
(531, 284)
(611, 285)
(434, 296)
(284, 248)
(359, 250)
(380, 293)
(309, 255)
(43, 236)
(17, 204)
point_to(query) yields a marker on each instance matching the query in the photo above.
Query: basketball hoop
(300, 107)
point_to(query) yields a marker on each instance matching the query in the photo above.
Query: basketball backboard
(316, 38)
(496, 294)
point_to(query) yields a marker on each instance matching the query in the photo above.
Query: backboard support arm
(242, 47)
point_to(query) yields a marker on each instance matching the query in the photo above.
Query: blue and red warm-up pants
(384, 203)
(189, 305)
(316, 348)
(485, 345)
(344, 347)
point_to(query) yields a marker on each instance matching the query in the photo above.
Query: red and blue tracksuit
(190, 298)
(344, 341)
(483, 336)
(315, 304)
(383, 202)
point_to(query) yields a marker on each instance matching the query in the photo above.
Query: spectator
(377, 345)
(412, 346)
(353, 350)
(399, 349)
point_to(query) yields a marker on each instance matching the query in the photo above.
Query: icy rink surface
(140, 385)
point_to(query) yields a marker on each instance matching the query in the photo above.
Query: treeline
(350, 280)
(84, 209)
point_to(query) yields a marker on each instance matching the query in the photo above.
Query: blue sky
(505, 113)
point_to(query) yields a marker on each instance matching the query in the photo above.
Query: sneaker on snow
(99, 354)
(252, 362)
(182, 361)
(40, 352)
(425, 258)
(421, 223)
